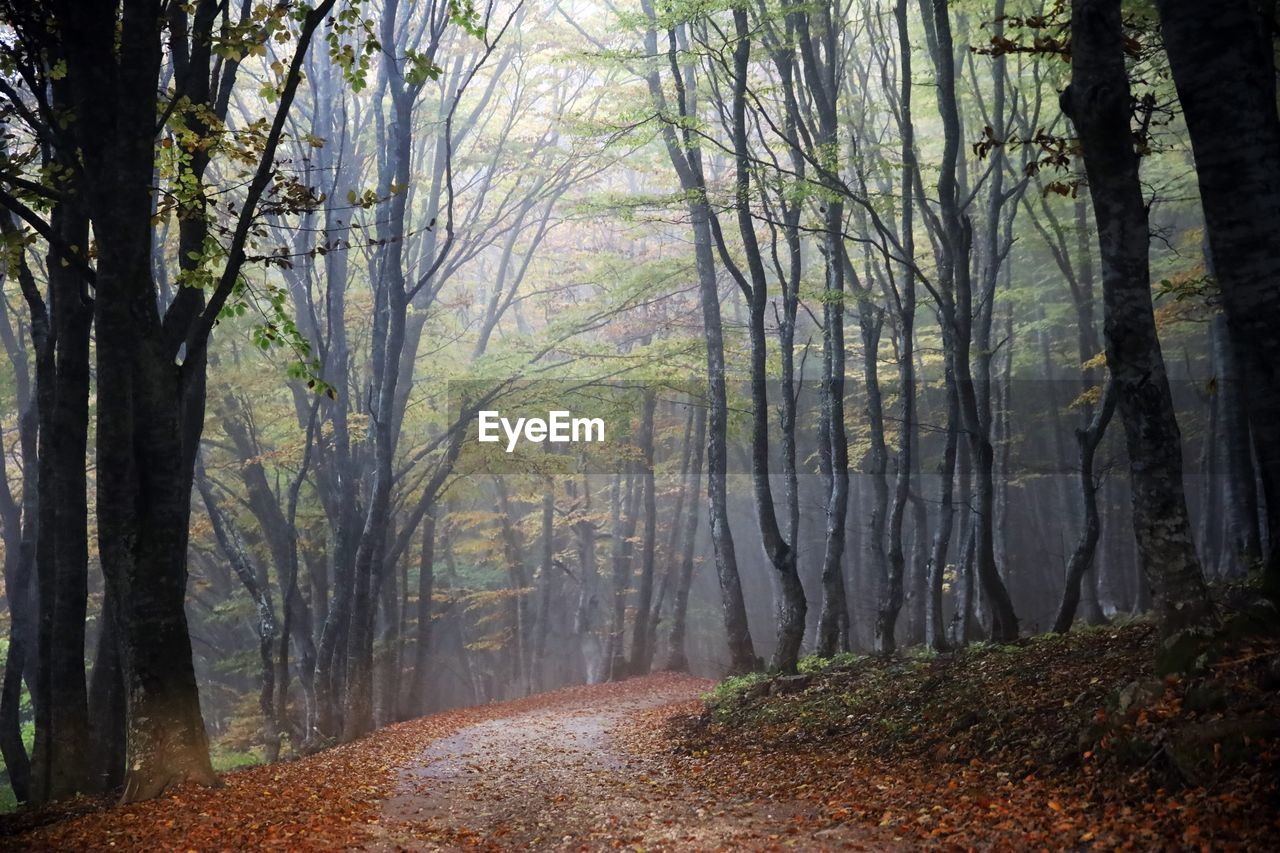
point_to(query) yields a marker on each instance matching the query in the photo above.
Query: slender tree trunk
(888, 579)
(550, 586)
(833, 621)
(790, 604)
(957, 311)
(742, 655)
(677, 660)
(686, 159)
(905, 295)
(588, 604)
(1081, 562)
(426, 589)
(935, 637)
(19, 520)
(518, 586)
(641, 652)
(672, 546)
(254, 580)
(389, 331)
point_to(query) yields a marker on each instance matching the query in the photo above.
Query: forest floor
(1055, 742)
(571, 769)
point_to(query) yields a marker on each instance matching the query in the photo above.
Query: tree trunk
(1236, 452)
(641, 652)
(62, 574)
(905, 296)
(1082, 558)
(957, 314)
(833, 621)
(19, 523)
(742, 655)
(588, 604)
(686, 159)
(677, 660)
(1098, 103)
(426, 589)
(144, 492)
(935, 637)
(1223, 66)
(790, 604)
(107, 699)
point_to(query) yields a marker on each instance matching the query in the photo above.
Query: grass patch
(230, 759)
(816, 664)
(735, 686)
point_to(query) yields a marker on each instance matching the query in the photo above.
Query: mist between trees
(904, 330)
(1034, 449)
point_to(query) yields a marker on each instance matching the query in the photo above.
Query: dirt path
(562, 777)
(583, 768)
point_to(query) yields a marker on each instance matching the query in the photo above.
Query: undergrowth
(1052, 738)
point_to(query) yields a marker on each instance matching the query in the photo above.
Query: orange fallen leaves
(1017, 783)
(323, 801)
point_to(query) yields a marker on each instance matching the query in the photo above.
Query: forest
(814, 385)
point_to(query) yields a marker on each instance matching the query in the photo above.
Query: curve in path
(561, 777)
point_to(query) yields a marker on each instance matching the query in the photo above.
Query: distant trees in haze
(862, 289)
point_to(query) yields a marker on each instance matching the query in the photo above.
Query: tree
(956, 305)
(791, 605)
(1099, 103)
(1222, 58)
(686, 159)
(150, 365)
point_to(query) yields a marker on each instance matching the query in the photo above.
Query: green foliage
(352, 43)
(735, 686)
(229, 759)
(465, 15)
(816, 664)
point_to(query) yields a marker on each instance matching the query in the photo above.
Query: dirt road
(563, 777)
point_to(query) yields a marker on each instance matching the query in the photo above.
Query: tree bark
(641, 652)
(19, 519)
(957, 311)
(426, 589)
(1081, 561)
(1223, 67)
(1098, 103)
(1236, 452)
(686, 159)
(790, 605)
(677, 659)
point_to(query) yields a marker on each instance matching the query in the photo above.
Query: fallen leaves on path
(570, 778)
(323, 801)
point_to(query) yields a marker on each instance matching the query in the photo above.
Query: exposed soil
(568, 777)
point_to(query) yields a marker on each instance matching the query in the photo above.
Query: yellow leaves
(1096, 363)
(1089, 397)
